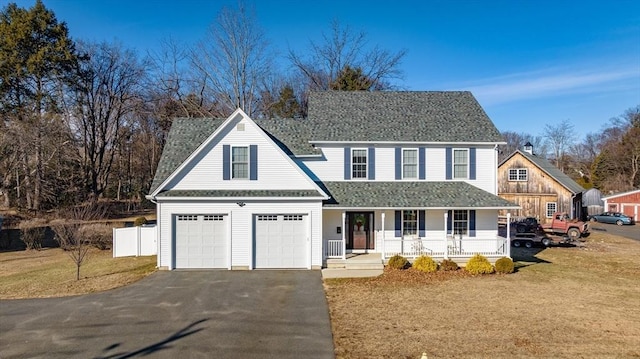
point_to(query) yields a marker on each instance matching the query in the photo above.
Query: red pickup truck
(561, 224)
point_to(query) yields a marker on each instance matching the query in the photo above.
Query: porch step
(370, 261)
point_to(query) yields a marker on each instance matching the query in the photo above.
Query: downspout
(158, 211)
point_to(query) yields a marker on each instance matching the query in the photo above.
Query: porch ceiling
(417, 194)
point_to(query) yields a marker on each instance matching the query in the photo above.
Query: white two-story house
(406, 173)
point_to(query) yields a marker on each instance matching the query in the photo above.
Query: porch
(457, 249)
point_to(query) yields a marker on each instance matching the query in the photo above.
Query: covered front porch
(444, 220)
(412, 233)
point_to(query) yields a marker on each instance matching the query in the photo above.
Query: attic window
(240, 127)
(518, 174)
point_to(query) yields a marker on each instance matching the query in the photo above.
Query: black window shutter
(472, 163)
(421, 223)
(226, 162)
(372, 163)
(449, 163)
(422, 163)
(253, 162)
(472, 223)
(347, 163)
(398, 163)
(398, 223)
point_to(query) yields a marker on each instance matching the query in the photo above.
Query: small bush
(97, 235)
(448, 265)
(398, 262)
(479, 264)
(425, 264)
(504, 265)
(32, 233)
(140, 221)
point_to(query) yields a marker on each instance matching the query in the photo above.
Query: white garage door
(281, 241)
(201, 241)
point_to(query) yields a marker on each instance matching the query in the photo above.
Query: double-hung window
(460, 222)
(410, 222)
(359, 163)
(409, 163)
(551, 209)
(240, 162)
(460, 163)
(517, 174)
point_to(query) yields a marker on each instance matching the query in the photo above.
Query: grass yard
(51, 273)
(564, 302)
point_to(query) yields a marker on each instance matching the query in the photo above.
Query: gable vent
(240, 127)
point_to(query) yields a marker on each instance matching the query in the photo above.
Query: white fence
(134, 241)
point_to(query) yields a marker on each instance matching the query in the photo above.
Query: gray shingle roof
(185, 136)
(552, 171)
(445, 116)
(418, 194)
(239, 193)
(350, 116)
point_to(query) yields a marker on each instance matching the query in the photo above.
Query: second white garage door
(281, 241)
(201, 241)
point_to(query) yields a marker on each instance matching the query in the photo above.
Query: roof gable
(548, 168)
(621, 194)
(406, 116)
(204, 157)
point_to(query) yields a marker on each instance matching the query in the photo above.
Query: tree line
(83, 121)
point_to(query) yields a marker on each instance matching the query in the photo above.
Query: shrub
(140, 221)
(448, 265)
(97, 235)
(398, 262)
(32, 233)
(479, 264)
(504, 265)
(425, 264)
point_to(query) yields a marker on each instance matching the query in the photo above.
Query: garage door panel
(280, 241)
(201, 241)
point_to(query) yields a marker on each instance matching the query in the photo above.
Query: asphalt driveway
(631, 232)
(178, 314)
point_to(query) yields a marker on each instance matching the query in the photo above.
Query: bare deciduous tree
(107, 94)
(69, 232)
(232, 61)
(559, 137)
(341, 48)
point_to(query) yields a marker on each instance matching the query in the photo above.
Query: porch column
(508, 244)
(344, 241)
(383, 237)
(446, 244)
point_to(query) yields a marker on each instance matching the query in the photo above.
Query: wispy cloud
(553, 82)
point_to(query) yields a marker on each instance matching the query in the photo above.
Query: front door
(360, 233)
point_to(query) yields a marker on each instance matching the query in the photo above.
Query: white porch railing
(453, 247)
(333, 248)
(433, 247)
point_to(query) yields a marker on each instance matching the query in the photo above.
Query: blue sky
(529, 63)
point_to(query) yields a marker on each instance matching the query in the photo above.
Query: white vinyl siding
(205, 171)
(239, 226)
(410, 163)
(330, 167)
